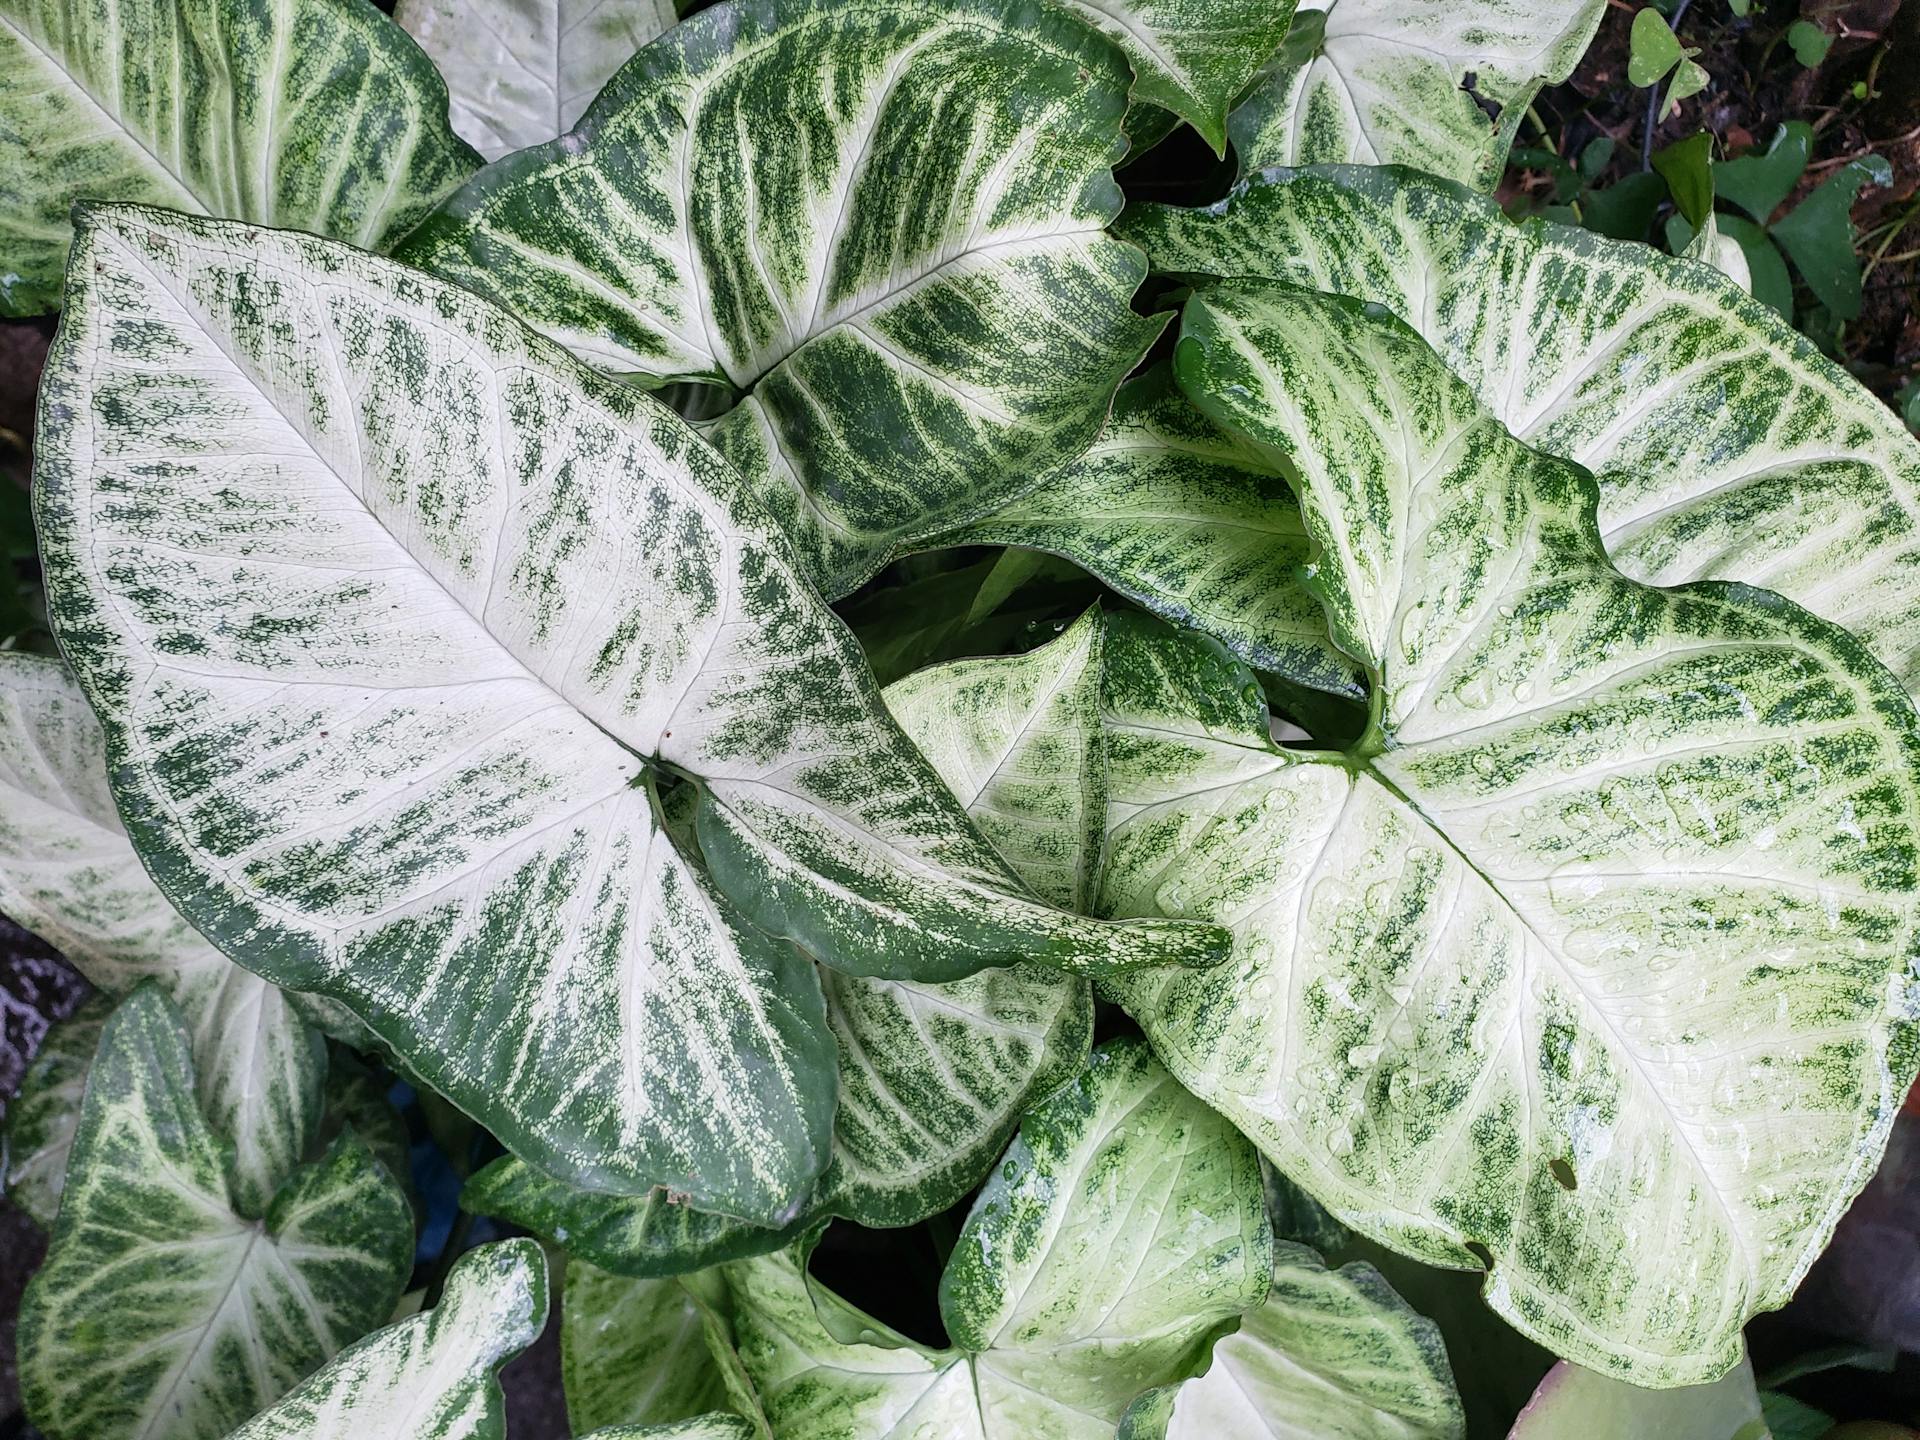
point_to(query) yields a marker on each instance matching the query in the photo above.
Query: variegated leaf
(1331, 1355)
(69, 873)
(42, 1117)
(700, 1427)
(162, 1312)
(1725, 445)
(520, 72)
(1171, 513)
(932, 1077)
(434, 1375)
(1192, 57)
(1401, 82)
(877, 224)
(1597, 945)
(1575, 1404)
(397, 618)
(317, 115)
(1122, 1232)
(646, 1352)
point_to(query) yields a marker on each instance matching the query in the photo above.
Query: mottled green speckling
(1174, 514)
(877, 225)
(317, 115)
(160, 1314)
(1331, 1355)
(432, 1376)
(1384, 82)
(643, 1352)
(387, 605)
(69, 873)
(1600, 944)
(42, 1116)
(1725, 445)
(1123, 1231)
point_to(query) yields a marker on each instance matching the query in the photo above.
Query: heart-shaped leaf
(311, 114)
(1122, 1232)
(162, 1312)
(68, 871)
(1385, 82)
(1601, 934)
(520, 72)
(1725, 445)
(877, 225)
(399, 629)
(432, 1376)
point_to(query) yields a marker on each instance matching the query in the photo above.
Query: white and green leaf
(1573, 1403)
(877, 225)
(42, 1116)
(1598, 942)
(700, 1427)
(316, 115)
(932, 1078)
(1331, 1355)
(521, 72)
(1725, 445)
(1386, 82)
(161, 1311)
(637, 1352)
(433, 1376)
(1192, 58)
(1173, 514)
(1121, 1234)
(69, 873)
(396, 628)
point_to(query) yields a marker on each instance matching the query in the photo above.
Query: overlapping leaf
(640, 1352)
(162, 1312)
(1576, 1404)
(69, 873)
(42, 1117)
(520, 72)
(1192, 57)
(878, 226)
(1173, 514)
(1331, 1355)
(1599, 943)
(314, 114)
(1122, 1232)
(432, 1376)
(1725, 445)
(1401, 82)
(931, 1077)
(397, 617)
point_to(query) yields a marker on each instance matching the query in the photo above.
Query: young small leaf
(1760, 184)
(1817, 235)
(1809, 42)
(1653, 48)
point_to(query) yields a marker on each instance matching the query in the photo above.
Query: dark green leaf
(1760, 184)
(1818, 236)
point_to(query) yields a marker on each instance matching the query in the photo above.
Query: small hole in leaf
(1481, 1253)
(1563, 1172)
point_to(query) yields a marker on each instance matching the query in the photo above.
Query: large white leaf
(398, 619)
(69, 873)
(1122, 1232)
(1385, 82)
(432, 1376)
(160, 1312)
(522, 71)
(319, 115)
(1192, 57)
(1173, 514)
(1725, 445)
(877, 225)
(1576, 1404)
(1597, 946)
(1331, 1355)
